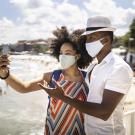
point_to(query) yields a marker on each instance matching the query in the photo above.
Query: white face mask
(66, 61)
(94, 48)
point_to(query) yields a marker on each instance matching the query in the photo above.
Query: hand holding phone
(4, 61)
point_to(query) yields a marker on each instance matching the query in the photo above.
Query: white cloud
(40, 17)
(31, 3)
(56, 14)
(120, 17)
(20, 4)
(6, 30)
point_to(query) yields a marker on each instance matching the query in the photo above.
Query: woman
(61, 119)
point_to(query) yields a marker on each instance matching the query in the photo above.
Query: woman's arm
(25, 87)
(18, 84)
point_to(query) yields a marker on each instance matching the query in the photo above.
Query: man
(109, 81)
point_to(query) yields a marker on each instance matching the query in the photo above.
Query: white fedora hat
(98, 23)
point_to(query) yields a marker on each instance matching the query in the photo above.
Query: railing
(129, 120)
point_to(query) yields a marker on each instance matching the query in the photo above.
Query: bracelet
(5, 76)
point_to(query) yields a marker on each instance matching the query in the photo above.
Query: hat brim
(103, 29)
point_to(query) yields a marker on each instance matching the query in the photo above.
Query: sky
(34, 19)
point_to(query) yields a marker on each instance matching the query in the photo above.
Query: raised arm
(16, 83)
(25, 87)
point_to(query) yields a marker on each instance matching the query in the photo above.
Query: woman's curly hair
(62, 36)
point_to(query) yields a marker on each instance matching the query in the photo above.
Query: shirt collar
(108, 58)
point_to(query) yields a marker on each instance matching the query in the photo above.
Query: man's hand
(56, 92)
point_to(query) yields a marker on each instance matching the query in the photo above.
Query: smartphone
(5, 50)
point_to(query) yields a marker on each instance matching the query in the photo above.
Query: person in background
(61, 119)
(108, 77)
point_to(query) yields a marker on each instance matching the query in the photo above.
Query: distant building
(28, 45)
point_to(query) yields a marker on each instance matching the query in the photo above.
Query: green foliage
(132, 29)
(125, 40)
(40, 48)
(121, 40)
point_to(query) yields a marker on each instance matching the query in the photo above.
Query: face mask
(66, 61)
(94, 48)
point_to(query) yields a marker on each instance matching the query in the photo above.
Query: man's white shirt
(113, 74)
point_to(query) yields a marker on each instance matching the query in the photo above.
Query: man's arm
(103, 110)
